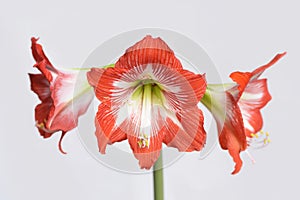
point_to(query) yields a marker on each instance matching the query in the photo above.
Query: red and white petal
(144, 133)
(242, 79)
(256, 94)
(42, 111)
(255, 97)
(37, 51)
(141, 126)
(149, 51)
(107, 131)
(40, 85)
(94, 76)
(71, 96)
(190, 135)
(112, 84)
(196, 81)
(42, 62)
(148, 42)
(232, 136)
(147, 155)
(252, 119)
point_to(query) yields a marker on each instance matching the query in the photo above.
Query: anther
(258, 140)
(144, 141)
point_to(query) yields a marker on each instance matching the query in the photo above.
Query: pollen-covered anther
(266, 141)
(259, 139)
(40, 125)
(144, 141)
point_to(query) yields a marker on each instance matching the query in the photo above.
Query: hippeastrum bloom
(149, 99)
(60, 105)
(236, 109)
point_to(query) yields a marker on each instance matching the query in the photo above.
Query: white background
(236, 35)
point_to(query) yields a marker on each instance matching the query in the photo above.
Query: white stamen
(258, 140)
(251, 157)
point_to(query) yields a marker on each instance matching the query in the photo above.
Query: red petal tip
(60, 142)
(34, 40)
(283, 53)
(277, 57)
(237, 168)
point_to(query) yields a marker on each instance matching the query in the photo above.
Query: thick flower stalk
(236, 109)
(60, 105)
(149, 99)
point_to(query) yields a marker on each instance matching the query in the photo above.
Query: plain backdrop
(237, 35)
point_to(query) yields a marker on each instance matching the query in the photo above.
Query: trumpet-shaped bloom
(149, 99)
(60, 104)
(236, 108)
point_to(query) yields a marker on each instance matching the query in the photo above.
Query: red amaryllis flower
(60, 105)
(149, 99)
(236, 108)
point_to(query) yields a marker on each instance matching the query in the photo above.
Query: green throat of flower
(146, 95)
(149, 93)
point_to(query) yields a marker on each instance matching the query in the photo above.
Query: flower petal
(94, 76)
(107, 132)
(151, 43)
(190, 136)
(256, 94)
(253, 120)
(149, 51)
(42, 62)
(40, 85)
(232, 136)
(235, 154)
(148, 155)
(254, 97)
(37, 51)
(242, 79)
(60, 142)
(256, 73)
(196, 81)
(42, 111)
(105, 82)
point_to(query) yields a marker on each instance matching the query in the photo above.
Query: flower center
(143, 141)
(147, 96)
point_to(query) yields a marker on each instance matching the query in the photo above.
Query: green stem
(206, 100)
(158, 179)
(84, 69)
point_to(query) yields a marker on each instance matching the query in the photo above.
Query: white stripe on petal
(251, 96)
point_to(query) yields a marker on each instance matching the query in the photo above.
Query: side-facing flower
(60, 105)
(149, 99)
(236, 109)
